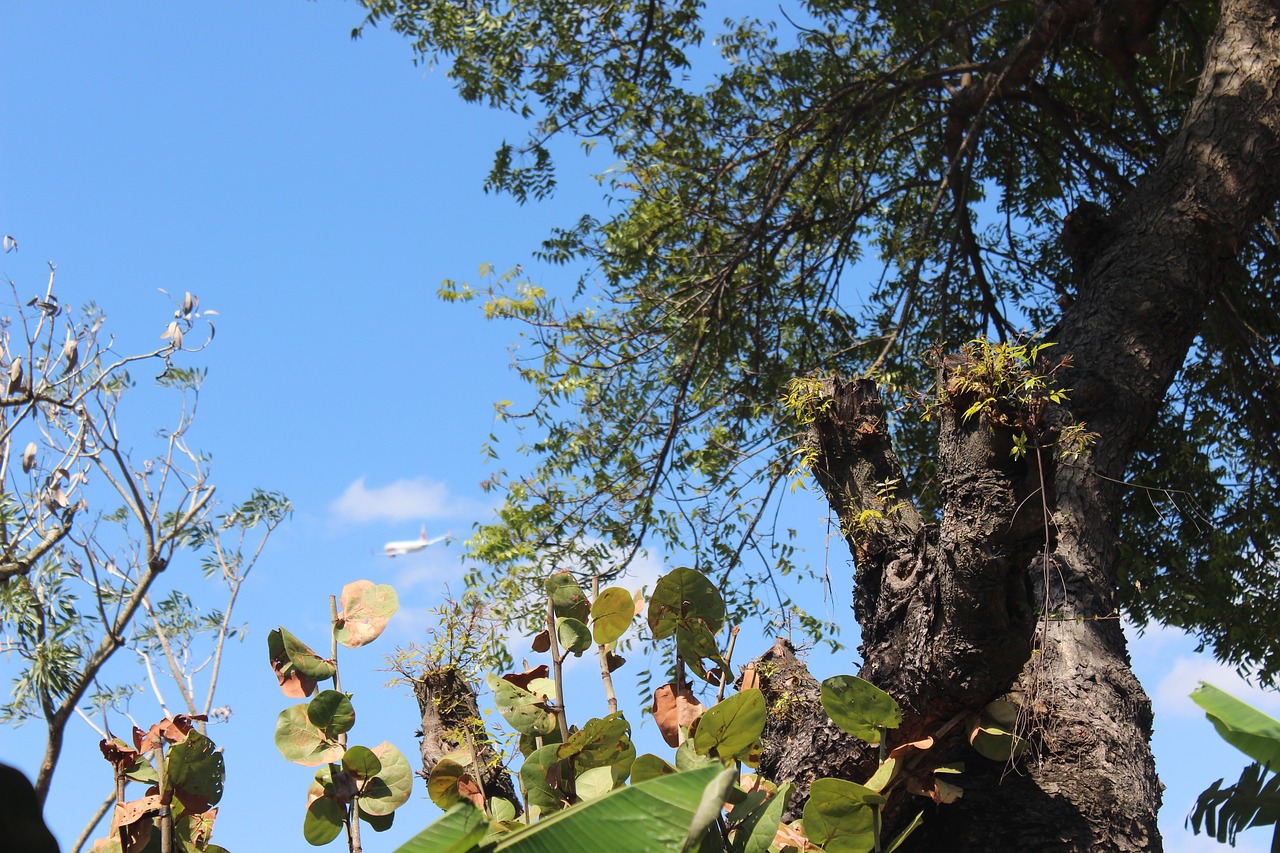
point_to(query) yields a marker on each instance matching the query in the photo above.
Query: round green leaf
(301, 742)
(680, 595)
(611, 615)
(523, 710)
(442, 783)
(594, 782)
(567, 597)
(528, 743)
(996, 743)
(573, 635)
(840, 816)
(543, 776)
(323, 822)
(502, 808)
(649, 766)
(759, 828)
(331, 712)
(859, 708)
(379, 823)
(360, 762)
(695, 641)
(389, 790)
(733, 726)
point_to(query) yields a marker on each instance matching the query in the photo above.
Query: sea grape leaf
(858, 707)
(366, 609)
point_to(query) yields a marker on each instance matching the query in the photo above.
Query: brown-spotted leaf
(134, 811)
(522, 679)
(366, 610)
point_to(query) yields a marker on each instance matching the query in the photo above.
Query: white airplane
(408, 546)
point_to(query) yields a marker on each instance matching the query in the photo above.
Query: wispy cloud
(403, 500)
(1174, 690)
(1166, 660)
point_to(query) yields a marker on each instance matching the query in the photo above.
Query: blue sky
(315, 191)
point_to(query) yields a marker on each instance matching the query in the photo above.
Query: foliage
(185, 775)
(353, 783)
(94, 512)
(1255, 799)
(835, 189)
(587, 781)
(1012, 386)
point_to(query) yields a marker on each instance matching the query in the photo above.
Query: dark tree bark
(1024, 556)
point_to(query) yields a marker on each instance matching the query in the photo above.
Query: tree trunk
(451, 721)
(1013, 590)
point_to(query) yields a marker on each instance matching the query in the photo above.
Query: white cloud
(403, 500)
(1173, 692)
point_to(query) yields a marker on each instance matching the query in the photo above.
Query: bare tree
(93, 513)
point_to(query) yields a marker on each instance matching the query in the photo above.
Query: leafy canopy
(838, 189)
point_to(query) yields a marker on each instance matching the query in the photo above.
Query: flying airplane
(408, 546)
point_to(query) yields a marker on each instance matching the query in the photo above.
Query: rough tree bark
(451, 721)
(952, 612)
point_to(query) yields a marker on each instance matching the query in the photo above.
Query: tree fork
(1092, 784)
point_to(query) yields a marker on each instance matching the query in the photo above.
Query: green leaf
(525, 711)
(593, 783)
(649, 766)
(442, 783)
(732, 727)
(901, 837)
(996, 743)
(528, 743)
(758, 829)
(502, 808)
(195, 770)
(602, 742)
(858, 707)
(322, 822)
(651, 816)
(459, 831)
(680, 595)
(303, 658)
(695, 641)
(883, 774)
(366, 610)
(567, 597)
(1240, 724)
(379, 823)
(573, 635)
(301, 742)
(331, 712)
(710, 805)
(359, 761)
(840, 816)
(688, 758)
(543, 776)
(390, 788)
(611, 615)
